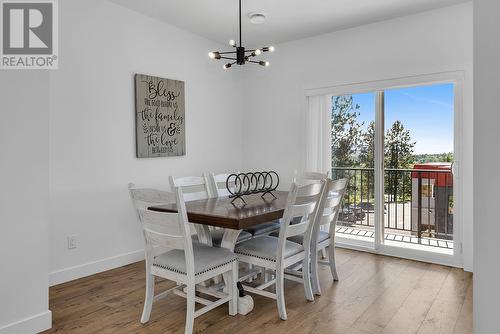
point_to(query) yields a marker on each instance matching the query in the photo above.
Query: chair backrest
(301, 202)
(193, 187)
(310, 177)
(218, 184)
(330, 203)
(314, 176)
(143, 198)
(168, 231)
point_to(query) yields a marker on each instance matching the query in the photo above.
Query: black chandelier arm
(263, 49)
(228, 65)
(253, 54)
(253, 50)
(229, 58)
(225, 52)
(261, 63)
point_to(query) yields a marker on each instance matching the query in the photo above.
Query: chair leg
(267, 275)
(261, 271)
(316, 288)
(148, 300)
(233, 290)
(280, 293)
(190, 308)
(331, 260)
(250, 279)
(306, 277)
(323, 253)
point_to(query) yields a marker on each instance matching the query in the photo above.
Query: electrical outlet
(72, 241)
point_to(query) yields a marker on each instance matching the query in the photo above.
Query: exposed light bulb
(264, 63)
(258, 52)
(226, 66)
(271, 48)
(214, 55)
(232, 42)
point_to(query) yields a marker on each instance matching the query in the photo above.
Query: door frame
(378, 87)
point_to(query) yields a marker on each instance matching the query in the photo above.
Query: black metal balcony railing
(418, 201)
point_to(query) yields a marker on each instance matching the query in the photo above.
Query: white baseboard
(34, 324)
(91, 268)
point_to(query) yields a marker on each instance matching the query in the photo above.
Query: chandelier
(241, 56)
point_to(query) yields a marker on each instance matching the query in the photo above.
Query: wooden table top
(220, 212)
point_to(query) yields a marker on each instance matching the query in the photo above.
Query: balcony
(418, 205)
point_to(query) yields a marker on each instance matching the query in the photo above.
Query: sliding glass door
(419, 155)
(396, 147)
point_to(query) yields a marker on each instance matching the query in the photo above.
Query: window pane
(353, 138)
(418, 153)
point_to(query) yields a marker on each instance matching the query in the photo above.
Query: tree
(435, 157)
(367, 147)
(367, 160)
(346, 131)
(398, 155)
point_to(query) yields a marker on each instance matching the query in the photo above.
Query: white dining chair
(195, 188)
(312, 177)
(146, 197)
(218, 184)
(304, 179)
(323, 239)
(171, 254)
(327, 217)
(278, 254)
(218, 188)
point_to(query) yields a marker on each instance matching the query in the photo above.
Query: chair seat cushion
(299, 239)
(264, 228)
(266, 247)
(206, 258)
(218, 234)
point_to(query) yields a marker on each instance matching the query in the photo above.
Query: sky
(427, 111)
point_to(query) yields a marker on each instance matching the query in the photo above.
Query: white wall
(24, 196)
(486, 162)
(92, 135)
(430, 42)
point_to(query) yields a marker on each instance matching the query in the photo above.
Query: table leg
(229, 239)
(203, 233)
(245, 303)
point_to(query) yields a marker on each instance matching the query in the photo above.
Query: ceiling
(286, 19)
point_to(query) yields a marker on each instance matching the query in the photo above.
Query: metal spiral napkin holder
(252, 183)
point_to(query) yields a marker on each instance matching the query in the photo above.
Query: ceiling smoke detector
(257, 18)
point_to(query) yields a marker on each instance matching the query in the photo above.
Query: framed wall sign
(160, 117)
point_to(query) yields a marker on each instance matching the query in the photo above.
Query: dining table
(231, 214)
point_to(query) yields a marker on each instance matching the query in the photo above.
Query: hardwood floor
(375, 294)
